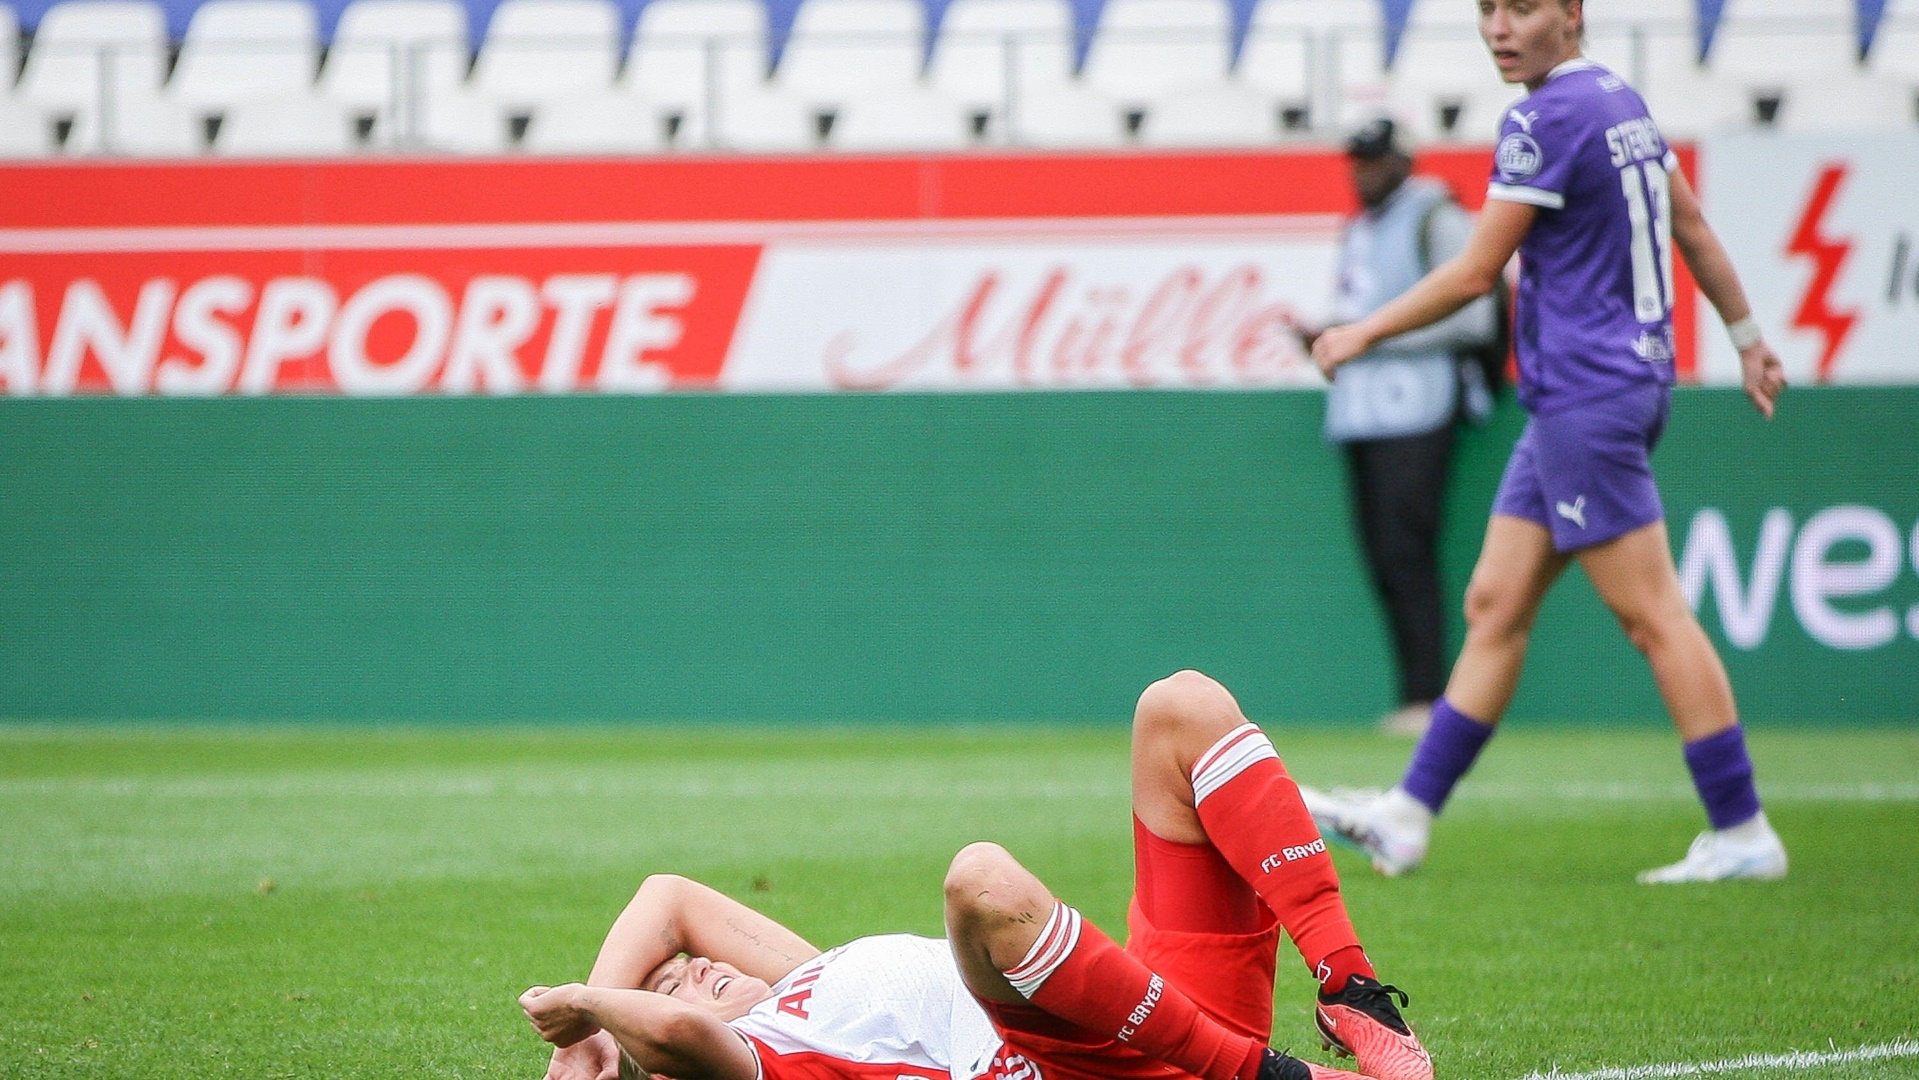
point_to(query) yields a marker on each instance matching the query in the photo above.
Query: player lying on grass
(696, 986)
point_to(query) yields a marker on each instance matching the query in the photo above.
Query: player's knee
(1183, 699)
(985, 879)
(1495, 610)
(1651, 627)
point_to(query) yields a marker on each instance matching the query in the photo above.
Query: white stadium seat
(1144, 48)
(1654, 45)
(988, 50)
(606, 123)
(1823, 86)
(286, 126)
(238, 50)
(852, 46)
(1895, 54)
(26, 130)
(912, 119)
(539, 50)
(689, 56)
(389, 56)
(1066, 117)
(9, 49)
(1223, 115)
(97, 68)
(1328, 56)
(1443, 80)
(765, 121)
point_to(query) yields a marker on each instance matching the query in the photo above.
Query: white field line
(432, 783)
(1797, 1060)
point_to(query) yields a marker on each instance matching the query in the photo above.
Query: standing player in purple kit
(1586, 190)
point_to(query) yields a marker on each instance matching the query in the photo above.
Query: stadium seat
(1824, 87)
(389, 56)
(243, 50)
(1144, 48)
(689, 56)
(539, 50)
(765, 121)
(1443, 81)
(841, 47)
(914, 119)
(1327, 56)
(25, 129)
(605, 123)
(1620, 34)
(1071, 116)
(286, 126)
(107, 58)
(1226, 114)
(9, 49)
(1895, 55)
(990, 51)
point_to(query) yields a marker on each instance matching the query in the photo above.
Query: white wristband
(1744, 333)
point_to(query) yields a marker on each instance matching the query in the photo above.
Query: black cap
(1377, 139)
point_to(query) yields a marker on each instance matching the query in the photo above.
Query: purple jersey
(1593, 316)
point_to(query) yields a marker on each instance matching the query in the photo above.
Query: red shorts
(1194, 922)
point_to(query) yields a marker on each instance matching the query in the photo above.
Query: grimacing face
(718, 986)
(1528, 38)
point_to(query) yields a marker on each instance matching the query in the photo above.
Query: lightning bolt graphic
(1828, 256)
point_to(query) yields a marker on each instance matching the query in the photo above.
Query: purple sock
(1723, 774)
(1448, 750)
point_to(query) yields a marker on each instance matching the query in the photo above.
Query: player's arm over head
(670, 914)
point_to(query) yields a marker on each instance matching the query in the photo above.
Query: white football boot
(1392, 828)
(1749, 850)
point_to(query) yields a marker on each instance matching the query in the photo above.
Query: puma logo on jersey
(1574, 511)
(1523, 119)
(1288, 854)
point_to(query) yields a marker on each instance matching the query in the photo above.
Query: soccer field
(344, 902)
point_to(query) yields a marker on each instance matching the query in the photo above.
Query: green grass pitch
(267, 902)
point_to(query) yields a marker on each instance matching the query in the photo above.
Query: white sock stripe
(1057, 940)
(1227, 758)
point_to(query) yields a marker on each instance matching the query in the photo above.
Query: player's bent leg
(1634, 575)
(1192, 742)
(1020, 950)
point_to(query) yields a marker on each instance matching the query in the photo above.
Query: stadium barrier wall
(394, 451)
(866, 557)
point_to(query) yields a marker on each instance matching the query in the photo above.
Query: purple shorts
(1584, 474)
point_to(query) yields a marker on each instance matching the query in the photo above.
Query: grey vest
(1391, 392)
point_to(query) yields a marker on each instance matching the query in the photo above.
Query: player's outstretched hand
(596, 1057)
(1764, 376)
(1335, 346)
(557, 1014)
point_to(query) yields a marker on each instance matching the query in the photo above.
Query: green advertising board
(850, 557)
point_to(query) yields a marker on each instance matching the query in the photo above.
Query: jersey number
(1649, 210)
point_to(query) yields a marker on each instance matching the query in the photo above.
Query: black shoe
(1373, 998)
(1274, 1065)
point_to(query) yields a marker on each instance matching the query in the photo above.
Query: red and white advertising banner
(965, 272)
(1825, 233)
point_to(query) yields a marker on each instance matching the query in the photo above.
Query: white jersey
(890, 1007)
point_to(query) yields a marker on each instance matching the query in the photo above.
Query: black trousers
(1398, 491)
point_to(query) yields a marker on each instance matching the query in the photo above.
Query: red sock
(1076, 973)
(1252, 813)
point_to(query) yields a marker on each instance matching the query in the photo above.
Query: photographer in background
(1394, 409)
